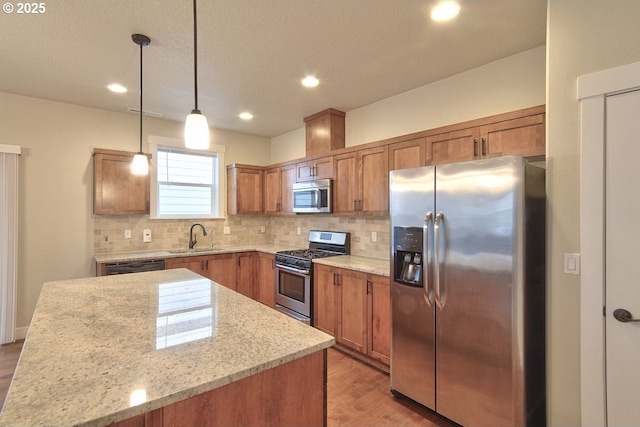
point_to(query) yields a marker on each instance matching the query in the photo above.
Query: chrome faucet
(192, 240)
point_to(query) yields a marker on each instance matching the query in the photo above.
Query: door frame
(593, 90)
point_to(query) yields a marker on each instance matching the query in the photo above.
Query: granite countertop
(175, 253)
(352, 262)
(367, 265)
(104, 349)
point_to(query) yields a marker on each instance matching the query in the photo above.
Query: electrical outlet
(374, 236)
(262, 229)
(226, 230)
(298, 231)
(146, 235)
(127, 234)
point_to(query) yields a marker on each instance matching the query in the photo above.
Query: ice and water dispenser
(407, 255)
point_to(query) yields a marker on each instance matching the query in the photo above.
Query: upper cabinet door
(116, 191)
(287, 179)
(311, 170)
(361, 182)
(455, 146)
(409, 154)
(345, 191)
(244, 190)
(523, 136)
(374, 181)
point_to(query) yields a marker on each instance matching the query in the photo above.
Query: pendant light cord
(141, 98)
(195, 54)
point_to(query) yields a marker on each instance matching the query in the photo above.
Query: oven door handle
(293, 270)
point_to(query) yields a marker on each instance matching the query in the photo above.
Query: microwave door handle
(317, 197)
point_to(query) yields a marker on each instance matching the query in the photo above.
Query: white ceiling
(252, 54)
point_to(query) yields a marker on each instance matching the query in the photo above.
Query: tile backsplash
(109, 231)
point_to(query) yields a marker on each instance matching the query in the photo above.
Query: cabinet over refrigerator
(468, 289)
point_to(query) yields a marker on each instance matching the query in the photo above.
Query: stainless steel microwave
(312, 196)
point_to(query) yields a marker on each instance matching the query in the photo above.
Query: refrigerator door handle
(440, 296)
(427, 290)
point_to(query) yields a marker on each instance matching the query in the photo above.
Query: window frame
(219, 201)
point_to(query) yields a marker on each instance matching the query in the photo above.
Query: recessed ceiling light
(117, 88)
(445, 11)
(310, 81)
(246, 116)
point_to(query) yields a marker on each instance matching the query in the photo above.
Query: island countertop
(101, 350)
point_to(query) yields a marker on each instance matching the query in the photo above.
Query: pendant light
(140, 164)
(196, 128)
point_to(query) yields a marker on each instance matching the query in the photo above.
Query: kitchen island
(164, 348)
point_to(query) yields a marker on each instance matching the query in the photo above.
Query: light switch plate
(146, 235)
(226, 230)
(572, 263)
(127, 234)
(374, 236)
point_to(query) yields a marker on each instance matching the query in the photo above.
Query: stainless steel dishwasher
(133, 267)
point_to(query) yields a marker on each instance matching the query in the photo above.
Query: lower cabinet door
(324, 299)
(352, 310)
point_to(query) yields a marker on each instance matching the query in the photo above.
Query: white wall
(56, 181)
(508, 84)
(583, 37)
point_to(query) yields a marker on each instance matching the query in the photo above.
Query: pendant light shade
(196, 128)
(140, 164)
(196, 131)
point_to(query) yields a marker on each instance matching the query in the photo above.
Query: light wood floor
(357, 394)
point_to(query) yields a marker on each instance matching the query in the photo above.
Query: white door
(622, 280)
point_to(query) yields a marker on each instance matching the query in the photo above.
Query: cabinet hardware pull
(475, 149)
(484, 147)
(355, 205)
(207, 265)
(368, 287)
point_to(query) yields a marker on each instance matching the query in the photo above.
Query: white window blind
(186, 183)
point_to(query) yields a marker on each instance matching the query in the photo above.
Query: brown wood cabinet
(324, 131)
(408, 154)
(324, 299)
(310, 170)
(278, 190)
(379, 318)
(521, 132)
(246, 273)
(266, 279)
(219, 268)
(361, 182)
(245, 189)
(351, 308)
(116, 191)
(355, 308)
(265, 398)
(524, 135)
(455, 146)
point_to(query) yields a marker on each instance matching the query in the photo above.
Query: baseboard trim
(21, 333)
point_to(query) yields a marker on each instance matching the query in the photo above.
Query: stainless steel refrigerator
(468, 290)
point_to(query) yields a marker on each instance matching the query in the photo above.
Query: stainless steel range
(294, 272)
